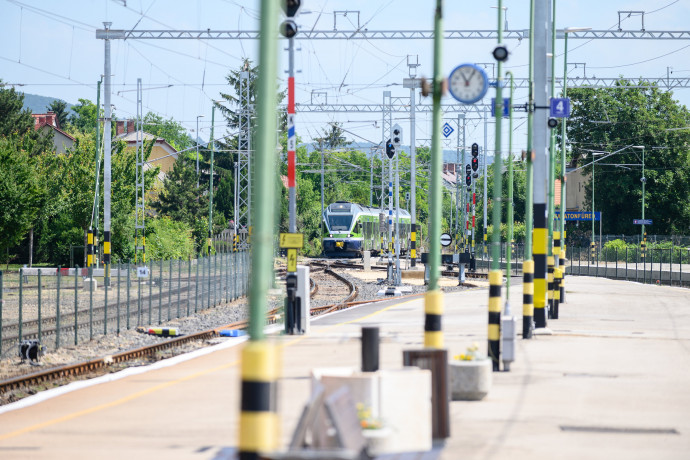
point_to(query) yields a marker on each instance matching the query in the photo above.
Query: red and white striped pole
(292, 139)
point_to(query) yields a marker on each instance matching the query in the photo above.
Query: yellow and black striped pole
(556, 292)
(556, 247)
(89, 248)
(539, 239)
(259, 422)
(413, 244)
(561, 265)
(433, 312)
(594, 251)
(549, 278)
(106, 257)
(527, 298)
(495, 281)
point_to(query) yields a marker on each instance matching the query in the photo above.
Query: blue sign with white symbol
(642, 221)
(506, 106)
(447, 130)
(560, 107)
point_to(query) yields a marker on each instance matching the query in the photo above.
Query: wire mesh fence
(65, 306)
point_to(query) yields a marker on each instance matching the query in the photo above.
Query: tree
(609, 119)
(20, 194)
(85, 116)
(59, 108)
(170, 130)
(182, 201)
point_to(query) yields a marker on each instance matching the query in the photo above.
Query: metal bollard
(370, 349)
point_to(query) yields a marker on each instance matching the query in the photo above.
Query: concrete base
(399, 399)
(366, 260)
(542, 331)
(88, 282)
(470, 380)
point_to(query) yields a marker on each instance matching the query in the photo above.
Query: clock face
(468, 83)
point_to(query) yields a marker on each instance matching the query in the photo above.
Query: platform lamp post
(197, 148)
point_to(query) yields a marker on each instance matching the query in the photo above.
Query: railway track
(104, 364)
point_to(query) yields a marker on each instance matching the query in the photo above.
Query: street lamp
(566, 31)
(643, 180)
(197, 149)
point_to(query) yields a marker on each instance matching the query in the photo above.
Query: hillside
(39, 104)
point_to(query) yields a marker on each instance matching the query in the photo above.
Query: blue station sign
(579, 215)
(506, 106)
(642, 221)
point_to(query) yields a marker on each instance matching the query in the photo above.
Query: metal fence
(669, 266)
(66, 306)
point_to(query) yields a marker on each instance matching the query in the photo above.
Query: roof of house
(48, 119)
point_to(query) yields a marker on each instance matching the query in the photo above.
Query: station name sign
(579, 215)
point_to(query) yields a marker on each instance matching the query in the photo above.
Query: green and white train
(350, 229)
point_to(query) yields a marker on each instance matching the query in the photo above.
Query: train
(351, 228)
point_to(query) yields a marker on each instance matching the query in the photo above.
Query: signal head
(288, 28)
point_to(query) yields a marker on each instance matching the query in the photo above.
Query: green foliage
(634, 116)
(518, 232)
(60, 109)
(170, 130)
(168, 239)
(20, 194)
(85, 116)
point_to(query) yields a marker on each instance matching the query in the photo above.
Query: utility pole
(210, 185)
(413, 83)
(106, 159)
(540, 240)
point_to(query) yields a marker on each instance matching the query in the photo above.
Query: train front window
(339, 223)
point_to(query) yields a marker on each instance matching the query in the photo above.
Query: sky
(50, 48)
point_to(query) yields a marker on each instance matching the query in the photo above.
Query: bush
(168, 239)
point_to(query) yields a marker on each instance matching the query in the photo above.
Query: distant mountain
(39, 104)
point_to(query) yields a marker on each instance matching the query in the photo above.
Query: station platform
(610, 380)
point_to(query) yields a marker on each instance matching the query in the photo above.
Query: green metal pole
(210, 185)
(433, 300)
(510, 189)
(262, 239)
(529, 199)
(498, 183)
(565, 94)
(552, 137)
(259, 421)
(436, 155)
(643, 182)
(592, 249)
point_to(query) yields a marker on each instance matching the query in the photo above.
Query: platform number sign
(560, 107)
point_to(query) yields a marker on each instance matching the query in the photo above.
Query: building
(48, 124)
(162, 155)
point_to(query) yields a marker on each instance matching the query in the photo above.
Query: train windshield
(339, 223)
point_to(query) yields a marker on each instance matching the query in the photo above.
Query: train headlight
(330, 235)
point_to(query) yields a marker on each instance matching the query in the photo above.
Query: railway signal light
(552, 123)
(475, 164)
(475, 150)
(288, 28)
(468, 180)
(397, 135)
(390, 149)
(290, 7)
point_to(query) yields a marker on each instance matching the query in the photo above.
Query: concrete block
(88, 282)
(366, 259)
(470, 380)
(400, 399)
